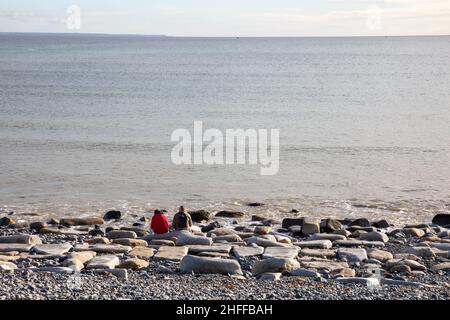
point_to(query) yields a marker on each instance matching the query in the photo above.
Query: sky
(229, 17)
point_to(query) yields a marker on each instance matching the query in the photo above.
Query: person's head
(157, 211)
(181, 209)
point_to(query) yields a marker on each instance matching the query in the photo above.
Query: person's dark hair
(157, 211)
(181, 208)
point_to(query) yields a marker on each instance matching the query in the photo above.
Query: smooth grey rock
(53, 249)
(53, 269)
(103, 262)
(370, 282)
(171, 253)
(352, 254)
(215, 248)
(274, 265)
(374, 236)
(327, 236)
(20, 247)
(280, 252)
(117, 234)
(315, 244)
(187, 238)
(194, 264)
(250, 251)
(23, 239)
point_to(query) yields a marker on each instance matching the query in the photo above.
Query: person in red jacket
(159, 224)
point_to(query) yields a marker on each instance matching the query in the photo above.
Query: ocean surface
(86, 123)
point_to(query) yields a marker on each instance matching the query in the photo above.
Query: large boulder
(229, 214)
(186, 238)
(200, 215)
(275, 265)
(194, 264)
(69, 222)
(112, 215)
(442, 219)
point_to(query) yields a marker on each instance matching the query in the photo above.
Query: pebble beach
(227, 255)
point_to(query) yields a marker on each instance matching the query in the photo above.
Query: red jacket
(159, 223)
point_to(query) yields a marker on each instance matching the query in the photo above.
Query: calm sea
(85, 123)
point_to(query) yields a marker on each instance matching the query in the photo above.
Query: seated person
(182, 220)
(159, 223)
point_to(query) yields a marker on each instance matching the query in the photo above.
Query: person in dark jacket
(159, 223)
(182, 220)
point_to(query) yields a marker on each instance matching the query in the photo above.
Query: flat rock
(441, 266)
(441, 246)
(414, 265)
(216, 248)
(321, 253)
(163, 242)
(142, 252)
(53, 270)
(9, 258)
(352, 254)
(53, 249)
(327, 236)
(103, 262)
(133, 263)
(7, 266)
(274, 265)
(280, 252)
(343, 272)
(249, 251)
(130, 242)
(24, 239)
(262, 242)
(119, 273)
(20, 247)
(171, 253)
(302, 272)
(200, 265)
(104, 248)
(117, 234)
(326, 265)
(315, 244)
(227, 238)
(370, 282)
(380, 255)
(348, 243)
(423, 252)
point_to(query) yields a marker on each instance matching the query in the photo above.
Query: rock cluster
(349, 252)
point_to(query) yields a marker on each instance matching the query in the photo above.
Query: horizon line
(192, 36)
